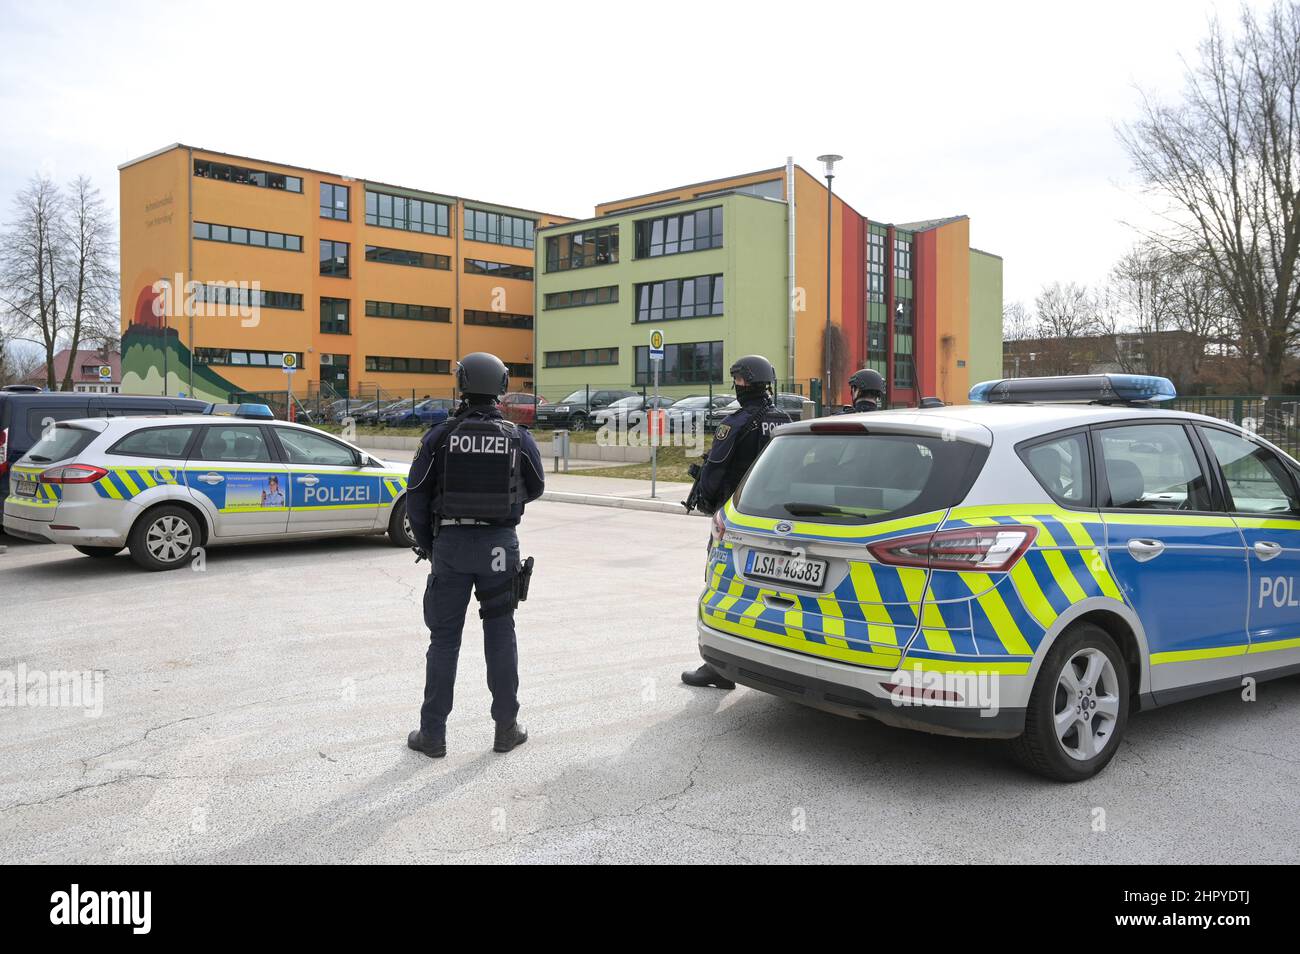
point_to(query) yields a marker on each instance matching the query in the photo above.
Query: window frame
(1023, 448)
(1221, 478)
(185, 454)
(1101, 486)
(357, 456)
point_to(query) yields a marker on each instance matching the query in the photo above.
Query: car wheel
(164, 538)
(578, 422)
(1078, 708)
(399, 526)
(99, 552)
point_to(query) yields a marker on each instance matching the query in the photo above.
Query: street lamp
(828, 161)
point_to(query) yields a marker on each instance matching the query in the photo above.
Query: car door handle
(1267, 549)
(1143, 550)
(211, 478)
(309, 480)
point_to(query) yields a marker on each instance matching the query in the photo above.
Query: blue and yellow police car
(1035, 566)
(162, 486)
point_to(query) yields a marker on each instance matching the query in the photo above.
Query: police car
(1034, 567)
(163, 486)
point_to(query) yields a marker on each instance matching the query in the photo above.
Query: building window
(477, 266)
(402, 256)
(904, 339)
(697, 363)
(242, 235)
(581, 358)
(876, 265)
(771, 189)
(671, 234)
(582, 296)
(499, 228)
(243, 358)
(397, 309)
(383, 363)
(205, 169)
(407, 213)
(497, 319)
(582, 249)
(902, 257)
(519, 369)
(234, 296)
(334, 258)
(679, 298)
(334, 201)
(334, 314)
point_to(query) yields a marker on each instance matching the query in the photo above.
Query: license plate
(783, 568)
(26, 488)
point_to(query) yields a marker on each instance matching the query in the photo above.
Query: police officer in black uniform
(868, 390)
(468, 485)
(736, 445)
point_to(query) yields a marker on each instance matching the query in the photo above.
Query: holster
(503, 598)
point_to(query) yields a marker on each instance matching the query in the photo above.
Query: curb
(623, 503)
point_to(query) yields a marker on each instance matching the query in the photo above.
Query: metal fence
(1274, 417)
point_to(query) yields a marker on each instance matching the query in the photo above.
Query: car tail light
(73, 474)
(838, 427)
(4, 450)
(718, 529)
(985, 549)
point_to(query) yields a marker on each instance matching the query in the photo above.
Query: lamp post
(829, 161)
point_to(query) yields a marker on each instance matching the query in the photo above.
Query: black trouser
(465, 558)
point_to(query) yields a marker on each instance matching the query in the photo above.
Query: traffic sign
(656, 345)
(289, 362)
(105, 373)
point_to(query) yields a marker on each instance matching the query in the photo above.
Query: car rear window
(857, 478)
(168, 442)
(61, 442)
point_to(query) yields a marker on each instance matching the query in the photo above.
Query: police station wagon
(164, 486)
(1021, 568)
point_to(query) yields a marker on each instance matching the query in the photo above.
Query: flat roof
(666, 204)
(337, 175)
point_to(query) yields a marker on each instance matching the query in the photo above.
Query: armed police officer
(736, 445)
(469, 482)
(868, 390)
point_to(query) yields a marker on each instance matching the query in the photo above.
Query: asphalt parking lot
(257, 712)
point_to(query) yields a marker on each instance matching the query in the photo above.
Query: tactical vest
(481, 470)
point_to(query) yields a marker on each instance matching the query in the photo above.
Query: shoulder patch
(722, 432)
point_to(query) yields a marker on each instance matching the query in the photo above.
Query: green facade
(985, 317)
(752, 262)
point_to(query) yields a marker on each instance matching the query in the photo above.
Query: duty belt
(467, 522)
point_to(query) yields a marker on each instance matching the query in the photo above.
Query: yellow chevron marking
(1031, 594)
(794, 622)
(832, 616)
(1063, 576)
(123, 476)
(938, 640)
(111, 488)
(1013, 641)
(147, 478)
(734, 591)
(875, 658)
(1096, 564)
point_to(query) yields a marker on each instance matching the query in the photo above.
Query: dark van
(24, 413)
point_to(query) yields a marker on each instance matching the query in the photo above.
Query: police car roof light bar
(1076, 388)
(257, 412)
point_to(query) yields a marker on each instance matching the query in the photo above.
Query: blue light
(1091, 388)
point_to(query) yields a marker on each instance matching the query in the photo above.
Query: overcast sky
(1002, 111)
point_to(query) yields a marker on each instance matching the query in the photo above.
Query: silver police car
(162, 486)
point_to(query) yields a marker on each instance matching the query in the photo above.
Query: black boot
(434, 748)
(509, 736)
(706, 675)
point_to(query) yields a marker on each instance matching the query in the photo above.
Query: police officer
(736, 445)
(469, 482)
(868, 390)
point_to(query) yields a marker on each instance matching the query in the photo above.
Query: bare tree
(31, 270)
(1017, 323)
(1227, 160)
(90, 291)
(1065, 319)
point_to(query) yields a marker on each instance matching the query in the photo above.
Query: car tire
(578, 422)
(164, 538)
(1078, 708)
(98, 552)
(399, 526)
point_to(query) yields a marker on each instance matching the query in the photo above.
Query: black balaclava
(749, 393)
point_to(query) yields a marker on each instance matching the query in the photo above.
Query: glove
(420, 553)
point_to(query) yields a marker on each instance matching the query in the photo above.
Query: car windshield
(627, 402)
(839, 478)
(575, 396)
(694, 401)
(59, 443)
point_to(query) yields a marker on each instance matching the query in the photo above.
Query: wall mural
(145, 342)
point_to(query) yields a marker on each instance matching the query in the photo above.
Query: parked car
(521, 407)
(574, 412)
(425, 414)
(695, 411)
(25, 413)
(628, 412)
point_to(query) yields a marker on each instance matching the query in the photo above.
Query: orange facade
(161, 200)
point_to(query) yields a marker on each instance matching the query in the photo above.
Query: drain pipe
(790, 246)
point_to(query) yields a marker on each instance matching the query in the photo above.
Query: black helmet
(754, 369)
(867, 380)
(482, 373)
